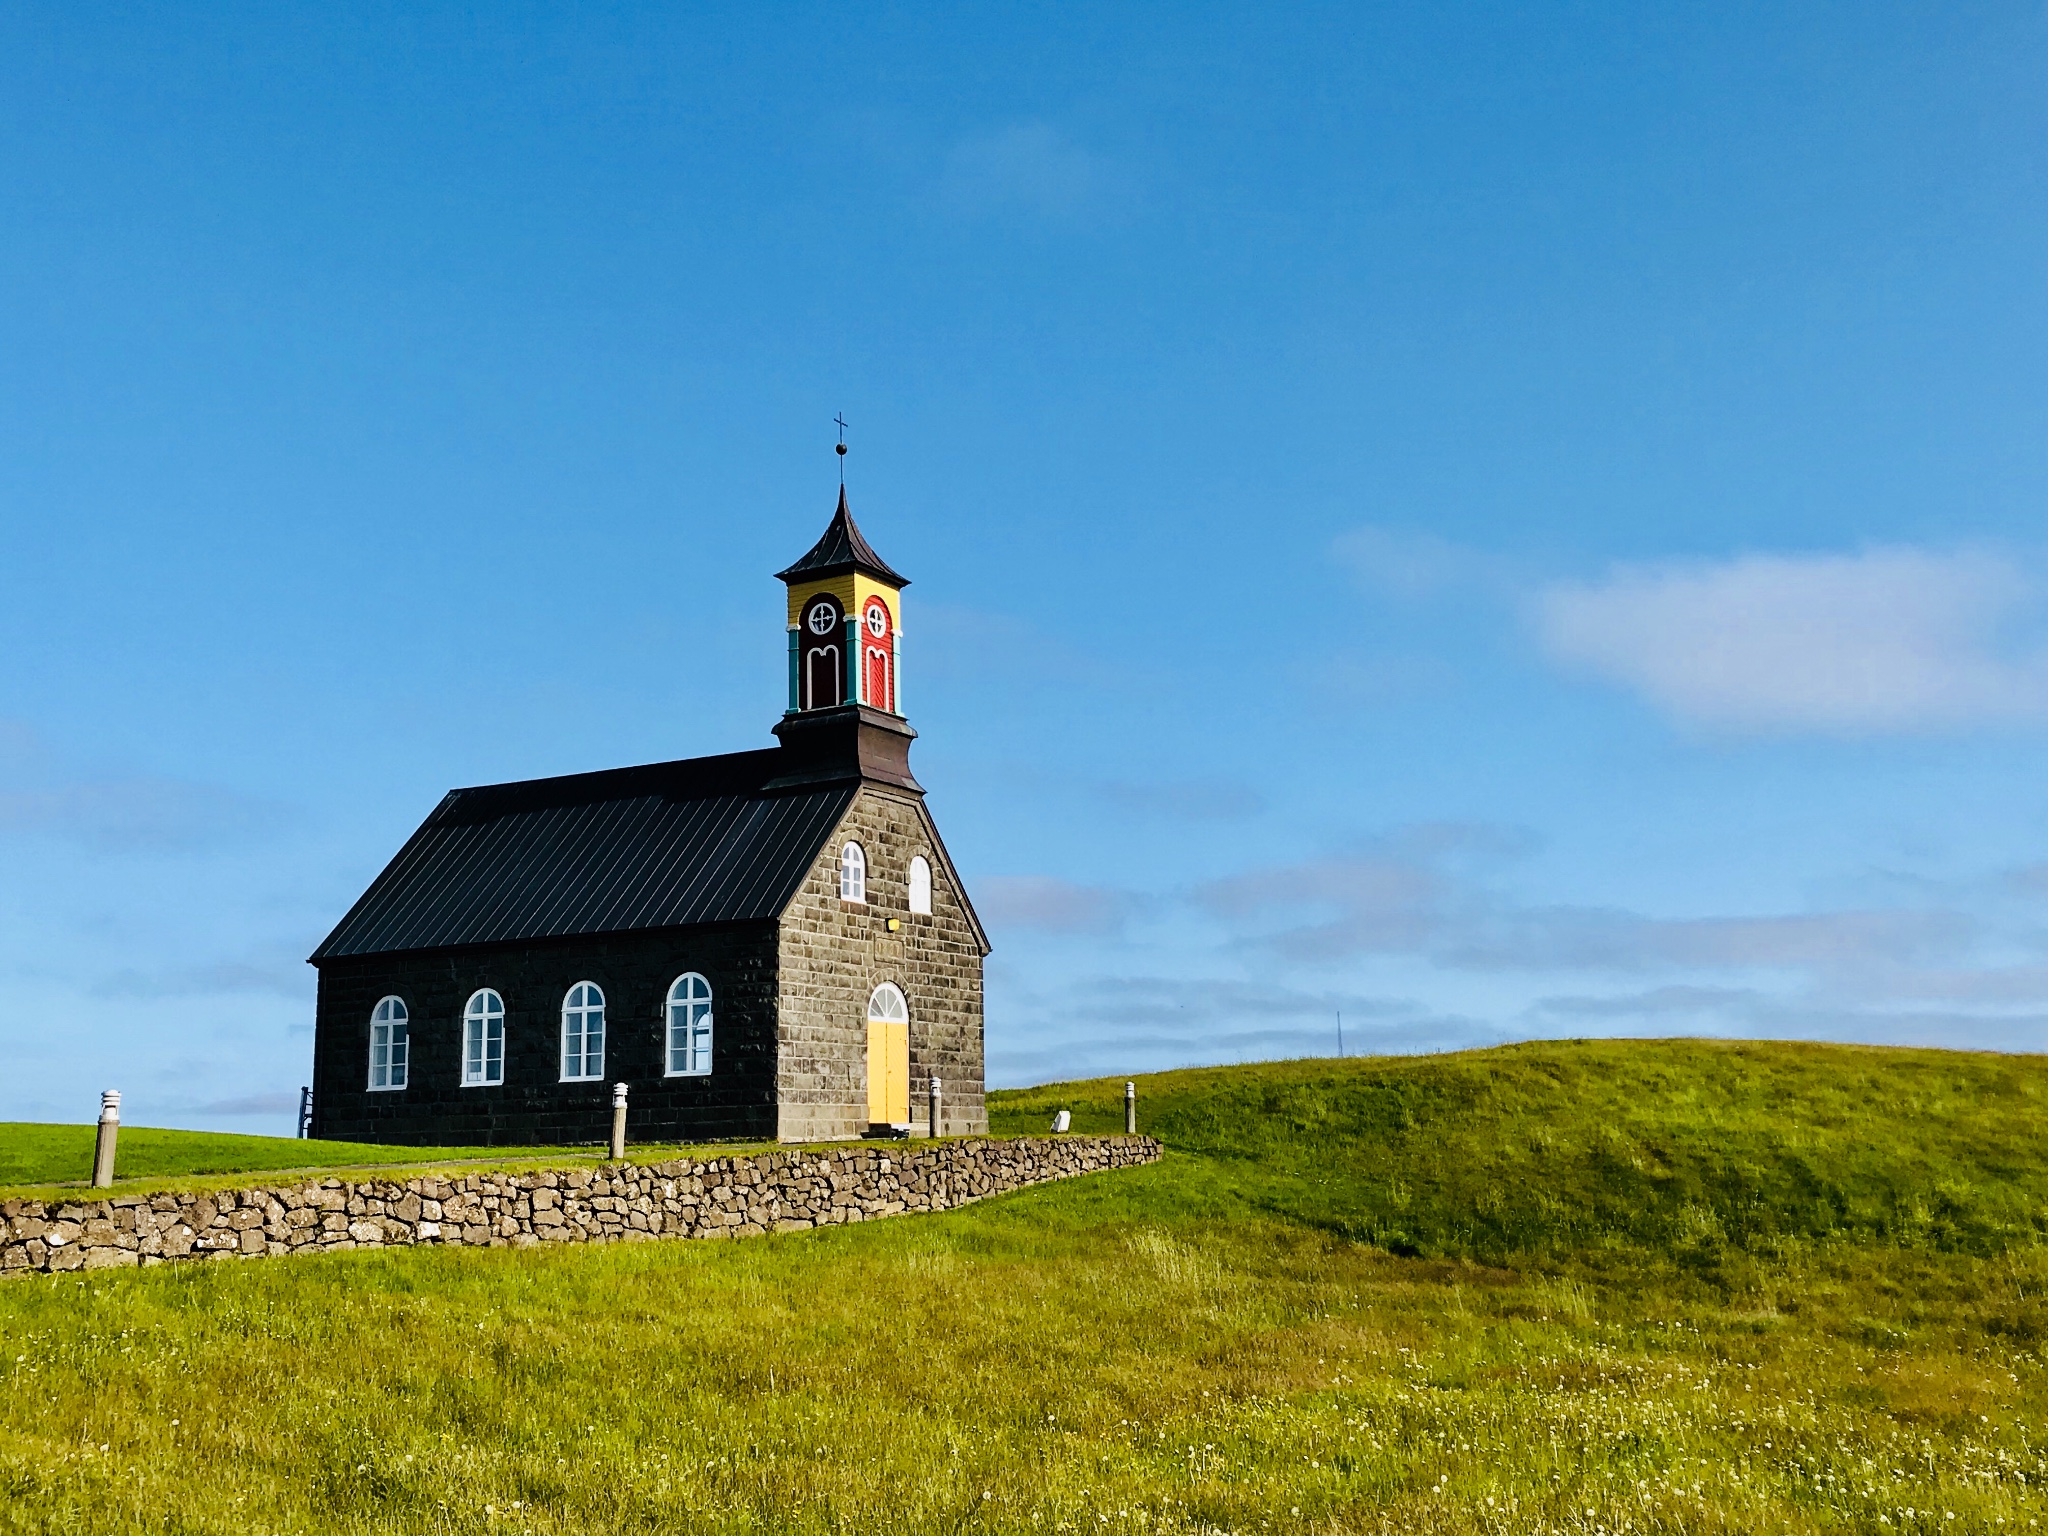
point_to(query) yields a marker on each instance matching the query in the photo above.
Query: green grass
(1591, 1287)
(1671, 1154)
(54, 1162)
(53, 1155)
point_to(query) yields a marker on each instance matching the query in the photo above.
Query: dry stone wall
(612, 1202)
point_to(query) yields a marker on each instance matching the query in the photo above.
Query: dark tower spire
(841, 551)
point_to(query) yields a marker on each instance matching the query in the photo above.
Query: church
(760, 945)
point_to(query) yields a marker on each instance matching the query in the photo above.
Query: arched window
(389, 1048)
(483, 1040)
(886, 1005)
(583, 1033)
(920, 886)
(853, 873)
(689, 1026)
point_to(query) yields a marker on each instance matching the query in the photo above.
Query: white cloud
(1889, 640)
(1028, 166)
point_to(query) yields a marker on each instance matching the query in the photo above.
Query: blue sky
(1502, 522)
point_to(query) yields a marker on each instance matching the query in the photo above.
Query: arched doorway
(888, 1056)
(824, 661)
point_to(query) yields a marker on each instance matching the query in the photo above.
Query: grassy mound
(1641, 1287)
(1686, 1149)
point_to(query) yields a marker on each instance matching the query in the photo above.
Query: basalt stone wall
(835, 953)
(533, 1106)
(711, 1197)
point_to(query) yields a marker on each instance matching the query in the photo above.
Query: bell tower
(845, 714)
(845, 624)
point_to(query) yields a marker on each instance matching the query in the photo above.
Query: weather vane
(841, 420)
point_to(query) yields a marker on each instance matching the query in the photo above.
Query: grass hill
(1581, 1287)
(1690, 1150)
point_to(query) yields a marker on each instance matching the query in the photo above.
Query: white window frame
(483, 1039)
(853, 873)
(390, 1045)
(920, 885)
(689, 1026)
(582, 1005)
(880, 1001)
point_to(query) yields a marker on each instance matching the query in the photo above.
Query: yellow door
(888, 1073)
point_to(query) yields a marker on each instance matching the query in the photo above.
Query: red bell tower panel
(878, 656)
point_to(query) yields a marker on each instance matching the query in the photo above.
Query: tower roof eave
(842, 549)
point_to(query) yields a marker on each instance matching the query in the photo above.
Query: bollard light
(103, 1143)
(618, 1122)
(1130, 1109)
(932, 1124)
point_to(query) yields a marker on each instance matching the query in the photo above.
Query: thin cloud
(983, 647)
(1027, 167)
(1111, 1024)
(1888, 640)
(2031, 879)
(1197, 800)
(1350, 677)
(1747, 1014)
(1662, 1004)
(1153, 1000)
(1955, 962)
(252, 1105)
(135, 813)
(1047, 905)
(1588, 938)
(1986, 986)
(1400, 563)
(1424, 895)
(281, 978)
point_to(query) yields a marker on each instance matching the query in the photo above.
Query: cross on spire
(840, 419)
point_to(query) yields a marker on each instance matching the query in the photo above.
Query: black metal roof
(706, 840)
(842, 549)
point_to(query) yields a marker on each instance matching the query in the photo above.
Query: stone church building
(768, 944)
